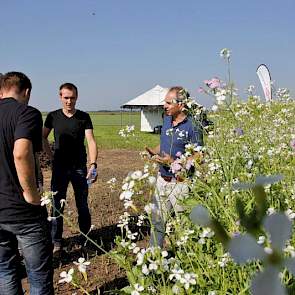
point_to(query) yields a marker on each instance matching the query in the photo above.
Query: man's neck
(69, 113)
(178, 118)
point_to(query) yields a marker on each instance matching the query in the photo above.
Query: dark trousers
(35, 243)
(61, 176)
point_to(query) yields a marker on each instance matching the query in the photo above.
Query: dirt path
(105, 209)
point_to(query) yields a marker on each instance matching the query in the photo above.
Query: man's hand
(150, 151)
(92, 174)
(153, 151)
(166, 159)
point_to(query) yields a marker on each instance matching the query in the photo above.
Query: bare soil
(105, 208)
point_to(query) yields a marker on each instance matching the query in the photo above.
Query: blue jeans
(34, 241)
(61, 176)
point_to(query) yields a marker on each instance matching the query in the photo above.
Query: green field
(107, 125)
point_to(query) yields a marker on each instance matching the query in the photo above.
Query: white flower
(188, 279)
(112, 180)
(126, 195)
(290, 214)
(82, 264)
(46, 199)
(153, 265)
(270, 211)
(140, 257)
(137, 289)
(128, 204)
(62, 202)
(244, 248)
(225, 53)
(136, 175)
(50, 218)
(164, 254)
(124, 244)
(261, 240)
(145, 270)
(66, 276)
(212, 293)
(169, 132)
(176, 289)
(214, 108)
(152, 180)
(224, 260)
(176, 273)
(290, 250)
(201, 241)
(207, 233)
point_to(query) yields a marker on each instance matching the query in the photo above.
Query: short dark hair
(69, 86)
(15, 79)
(181, 92)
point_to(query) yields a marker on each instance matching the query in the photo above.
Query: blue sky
(115, 50)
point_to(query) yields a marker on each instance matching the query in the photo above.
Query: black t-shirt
(17, 121)
(69, 136)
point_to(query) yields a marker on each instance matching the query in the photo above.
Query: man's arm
(46, 146)
(153, 151)
(92, 150)
(25, 168)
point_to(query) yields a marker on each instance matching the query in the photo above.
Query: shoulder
(167, 120)
(30, 112)
(82, 115)
(54, 114)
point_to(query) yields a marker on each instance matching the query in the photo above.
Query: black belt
(170, 178)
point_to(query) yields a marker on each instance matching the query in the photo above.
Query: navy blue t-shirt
(174, 138)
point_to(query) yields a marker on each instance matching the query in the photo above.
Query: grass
(107, 125)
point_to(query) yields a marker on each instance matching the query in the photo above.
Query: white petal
(290, 264)
(200, 216)
(71, 271)
(244, 248)
(63, 274)
(81, 259)
(268, 282)
(279, 227)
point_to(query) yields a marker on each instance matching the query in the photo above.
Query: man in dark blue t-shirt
(69, 159)
(178, 130)
(23, 222)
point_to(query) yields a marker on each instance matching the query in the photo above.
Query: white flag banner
(265, 80)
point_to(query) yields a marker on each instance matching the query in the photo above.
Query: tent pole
(121, 115)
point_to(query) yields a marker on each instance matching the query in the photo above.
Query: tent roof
(153, 97)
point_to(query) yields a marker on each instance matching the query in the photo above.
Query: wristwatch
(94, 164)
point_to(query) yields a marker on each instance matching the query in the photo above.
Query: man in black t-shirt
(23, 222)
(70, 126)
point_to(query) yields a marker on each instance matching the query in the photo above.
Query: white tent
(151, 105)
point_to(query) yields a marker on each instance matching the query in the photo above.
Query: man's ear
(27, 93)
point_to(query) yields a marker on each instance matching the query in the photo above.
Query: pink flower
(213, 83)
(178, 154)
(292, 143)
(176, 166)
(201, 90)
(188, 164)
